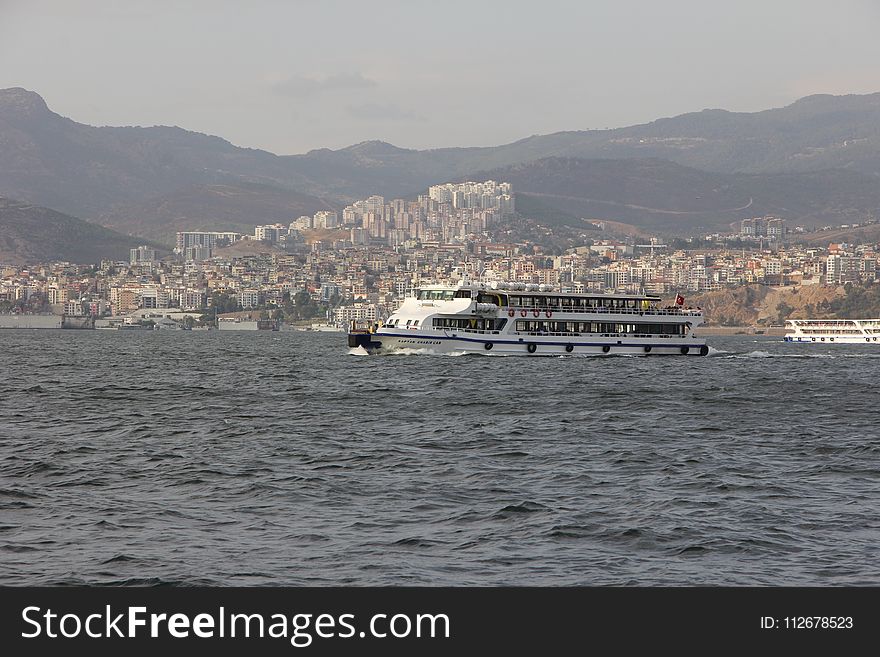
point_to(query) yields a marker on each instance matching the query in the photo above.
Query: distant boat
(833, 331)
(239, 324)
(325, 327)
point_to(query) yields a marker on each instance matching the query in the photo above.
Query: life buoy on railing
(511, 312)
(548, 313)
(536, 312)
(522, 312)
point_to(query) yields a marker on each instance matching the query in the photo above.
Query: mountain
(815, 133)
(234, 207)
(30, 234)
(662, 195)
(86, 171)
(156, 180)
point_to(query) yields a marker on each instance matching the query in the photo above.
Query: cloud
(301, 85)
(374, 112)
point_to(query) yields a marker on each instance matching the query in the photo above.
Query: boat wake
(767, 354)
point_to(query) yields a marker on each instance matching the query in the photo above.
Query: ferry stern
(363, 337)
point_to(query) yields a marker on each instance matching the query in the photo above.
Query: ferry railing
(602, 335)
(563, 334)
(610, 311)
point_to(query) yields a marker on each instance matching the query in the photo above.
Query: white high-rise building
(326, 219)
(302, 223)
(142, 254)
(486, 195)
(270, 233)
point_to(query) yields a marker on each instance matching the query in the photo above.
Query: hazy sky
(289, 76)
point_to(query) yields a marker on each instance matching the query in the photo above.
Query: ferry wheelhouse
(833, 331)
(520, 319)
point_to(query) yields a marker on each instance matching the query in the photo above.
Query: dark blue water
(278, 458)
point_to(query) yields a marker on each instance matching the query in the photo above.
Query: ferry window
(499, 324)
(462, 294)
(408, 322)
(415, 322)
(526, 301)
(439, 295)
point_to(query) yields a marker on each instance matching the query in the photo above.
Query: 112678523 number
(818, 622)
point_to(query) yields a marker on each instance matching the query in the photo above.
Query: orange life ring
(522, 312)
(511, 312)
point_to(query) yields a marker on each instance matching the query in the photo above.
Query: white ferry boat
(836, 331)
(520, 319)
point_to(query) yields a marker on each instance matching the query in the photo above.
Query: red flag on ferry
(679, 300)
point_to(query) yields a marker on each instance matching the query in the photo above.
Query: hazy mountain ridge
(51, 160)
(154, 180)
(32, 234)
(664, 195)
(233, 207)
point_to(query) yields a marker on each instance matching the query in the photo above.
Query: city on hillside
(332, 268)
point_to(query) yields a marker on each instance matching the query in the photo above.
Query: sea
(286, 458)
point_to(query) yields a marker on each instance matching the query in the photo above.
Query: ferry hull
(383, 343)
(832, 340)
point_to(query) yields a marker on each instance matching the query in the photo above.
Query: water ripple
(249, 459)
